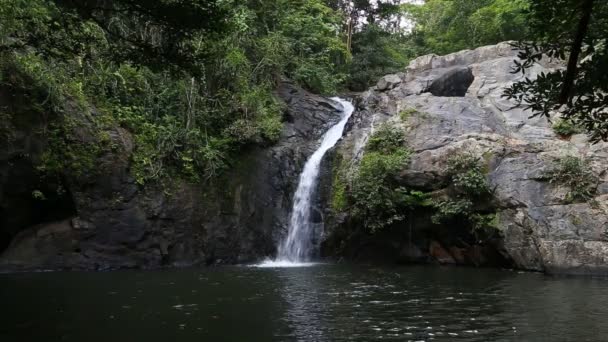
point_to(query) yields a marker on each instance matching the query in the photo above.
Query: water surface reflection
(319, 303)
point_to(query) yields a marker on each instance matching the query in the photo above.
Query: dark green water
(320, 303)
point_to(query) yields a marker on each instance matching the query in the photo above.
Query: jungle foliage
(370, 192)
(192, 91)
(383, 36)
(446, 26)
(374, 196)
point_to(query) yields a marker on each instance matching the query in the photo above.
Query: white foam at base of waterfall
(284, 264)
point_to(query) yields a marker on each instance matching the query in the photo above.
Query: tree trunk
(351, 28)
(575, 51)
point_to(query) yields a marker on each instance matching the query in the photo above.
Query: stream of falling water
(297, 248)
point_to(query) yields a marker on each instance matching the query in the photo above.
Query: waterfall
(297, 247)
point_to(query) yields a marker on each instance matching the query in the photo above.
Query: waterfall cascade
(297, 247)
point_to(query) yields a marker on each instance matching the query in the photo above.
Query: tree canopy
(192, 80)
(153, 33)
(574, 31)
(385, 35)
(446, 26)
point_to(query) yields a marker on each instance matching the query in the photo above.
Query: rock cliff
(108, 221)
(453, 104)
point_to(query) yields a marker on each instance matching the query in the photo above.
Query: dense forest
(195, 92)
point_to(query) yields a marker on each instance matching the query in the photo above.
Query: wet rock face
(118, 224)
(456, 106)
(21, 146)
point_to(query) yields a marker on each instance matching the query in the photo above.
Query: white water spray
(297, 248)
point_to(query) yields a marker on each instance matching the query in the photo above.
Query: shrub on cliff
(575, 174)
(376, 198)
(467, 175)
(468, 201)
(566, 128)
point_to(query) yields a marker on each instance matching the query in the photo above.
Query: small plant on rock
(387, 139)
(576, 174)
(484, 222)
(467, 174)
(38, 195)
(566, 128)
(339, 191)
(407, 113)
(449, 209)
